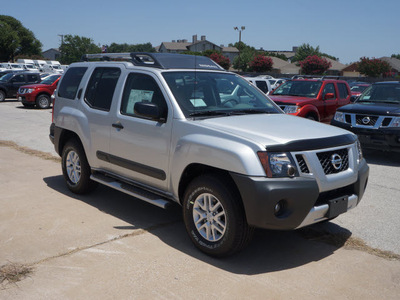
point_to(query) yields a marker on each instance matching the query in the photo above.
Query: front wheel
(76, 169)
(2, 96)
(214, 216)
(43, 101)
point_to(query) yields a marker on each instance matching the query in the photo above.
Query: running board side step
(131, 190)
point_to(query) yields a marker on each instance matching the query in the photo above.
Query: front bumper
(302, 202)
(387, 139)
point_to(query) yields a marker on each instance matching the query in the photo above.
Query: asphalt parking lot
(108, 245)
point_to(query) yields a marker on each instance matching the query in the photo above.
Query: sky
(348, 29)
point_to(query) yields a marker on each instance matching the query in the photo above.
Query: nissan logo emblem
(366, 120)
(336, 161)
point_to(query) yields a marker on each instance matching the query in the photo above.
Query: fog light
(279, 207)
(291, 171)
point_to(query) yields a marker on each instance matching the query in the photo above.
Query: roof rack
(316, 78)
(159, 60)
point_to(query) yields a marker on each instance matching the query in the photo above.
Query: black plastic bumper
(297, 195)
(387, 139)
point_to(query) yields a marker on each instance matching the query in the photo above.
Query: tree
(314, 65)
(15, 39)
(221, 60)
(396, 56)
(247, 53)
(260, 63)
(373, 67)
(75, 46)
(306, 50)
(127, 48)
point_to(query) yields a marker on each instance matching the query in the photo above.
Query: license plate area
(337, 206)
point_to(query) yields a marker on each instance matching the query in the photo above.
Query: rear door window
(262, 85)
(101, 87)
(70, 82)
(343, 92)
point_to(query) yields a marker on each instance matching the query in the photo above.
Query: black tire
(2, 96)
(311, 117)
(76, 169)
(43, 101)
(227, 220)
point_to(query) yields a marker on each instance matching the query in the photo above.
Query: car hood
(290, 99)
(32, 86)
(372, 108)
(272, 129)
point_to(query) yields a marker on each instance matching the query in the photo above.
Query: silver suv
(178, 128)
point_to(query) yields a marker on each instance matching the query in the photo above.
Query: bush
(261, 63)
(221, 60)
(314, 65)
(373, 67)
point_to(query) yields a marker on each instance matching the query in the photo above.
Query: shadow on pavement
(383, 158)
(269, 251)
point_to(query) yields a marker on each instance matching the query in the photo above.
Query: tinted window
(100, 90)
(33, 78)
(343, 92)
(142, 88)
(262, 85)
(329, 88)
(19, 78)
(299, 88)
(70, 82)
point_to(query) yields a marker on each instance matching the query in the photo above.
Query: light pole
(240, 40)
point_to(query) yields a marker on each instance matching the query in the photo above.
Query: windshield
(388, 93)
(358, 88)
(50, 80)
(299, 88)
(216, 94)
(6, 77)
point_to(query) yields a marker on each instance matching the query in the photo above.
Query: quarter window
(70, 82)
(100, 90)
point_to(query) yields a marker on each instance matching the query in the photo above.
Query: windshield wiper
(250, 111)
(208, 113)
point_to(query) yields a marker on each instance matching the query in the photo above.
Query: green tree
(396, 56)
(246, 55)
(314, 65)
(373, 67)
(127, 48)
(260, 63)
(305, 50)
(15, 39)
(75, 46)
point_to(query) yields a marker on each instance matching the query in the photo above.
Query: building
(394, 64)
(52, 54)
(180, 46)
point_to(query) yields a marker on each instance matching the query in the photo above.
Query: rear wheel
(2, 96)
(214, 216)
(76, 169)
(43, 101)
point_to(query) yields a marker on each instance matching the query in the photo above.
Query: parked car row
(28, 87)
(30, 65)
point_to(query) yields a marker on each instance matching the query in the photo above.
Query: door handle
(118, 125)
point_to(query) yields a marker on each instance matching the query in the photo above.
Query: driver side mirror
(148, 110)
(329, 96)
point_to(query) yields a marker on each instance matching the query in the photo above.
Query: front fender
(306, 109)
(215, 152)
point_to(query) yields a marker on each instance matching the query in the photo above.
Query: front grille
(366, 120)
(324, 197)
(348, 118)
(334, 161)
(302, 164)
(386, 122)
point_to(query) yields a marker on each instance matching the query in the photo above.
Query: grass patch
(26, 150)
(13, 272)
(343, 239)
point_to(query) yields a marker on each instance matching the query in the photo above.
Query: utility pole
(62, 38)
(240, 39)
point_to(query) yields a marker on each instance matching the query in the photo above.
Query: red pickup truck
(38, 94)
(315, 99)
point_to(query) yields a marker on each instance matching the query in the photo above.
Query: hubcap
(209, 217)
(73, 165)
(43, 102)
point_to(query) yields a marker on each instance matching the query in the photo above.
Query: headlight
(339, 116)
(359, 151)
(395, 122)
(277, 164)
(291, 109)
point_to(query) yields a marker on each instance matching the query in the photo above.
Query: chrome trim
(317, 213)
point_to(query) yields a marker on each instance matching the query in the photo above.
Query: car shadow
(383, 158)
(269, 251)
